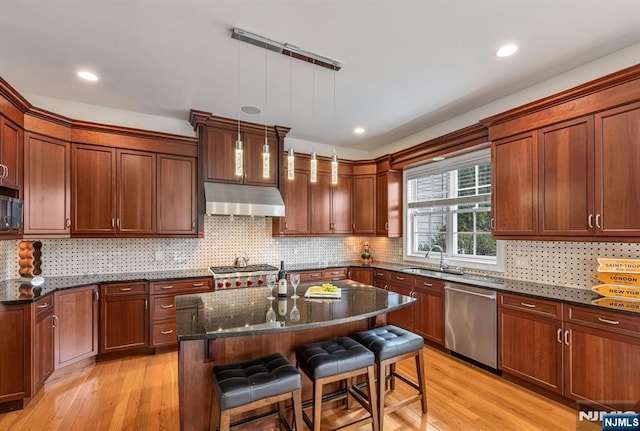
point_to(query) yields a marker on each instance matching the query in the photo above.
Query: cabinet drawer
(164, 334)
(537, 306)
(193, 285)
(334, 274)
(428, 284)
(601, 319)
(380, 274)
(43, 304)
(401, 279)
(311, 276)
(163, 307)
(123, 289)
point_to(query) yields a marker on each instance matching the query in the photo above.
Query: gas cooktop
(216, 270)
(241, 276)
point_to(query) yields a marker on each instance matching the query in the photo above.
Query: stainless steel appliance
(10, 213)
(471, 322)
(226, 277)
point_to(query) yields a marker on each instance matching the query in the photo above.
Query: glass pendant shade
(265, 160)
(239, 157)
(314, 167)
(290, 165)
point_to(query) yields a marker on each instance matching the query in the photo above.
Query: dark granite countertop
(22, 291)
(240, 312)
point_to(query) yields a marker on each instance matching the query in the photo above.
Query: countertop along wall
(569, 264)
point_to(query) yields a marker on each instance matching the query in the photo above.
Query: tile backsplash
(568, 264)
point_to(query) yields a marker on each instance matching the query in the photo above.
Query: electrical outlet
(522, 262)
(159, 255)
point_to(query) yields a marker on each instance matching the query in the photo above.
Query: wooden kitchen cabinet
(362, 275)
(405, 317)
(11, 146)
(296, 202)
(330, 209)
(530, 340)
(76, 330)
(176, 199)
(429, 309)
(514, 168)
(43, 342)
(321, 275)
(389, 204)
(15, 351)
(364, 204)
(113, 191)
(124, 317)
(47, 186)
(162, 307)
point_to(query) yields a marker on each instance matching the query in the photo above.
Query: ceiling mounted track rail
(287, 49)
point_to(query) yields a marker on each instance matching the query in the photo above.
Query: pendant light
(290, 165)
(314, 167)
(239, 168)
(334, 158)
(265, 147)
(314, 158)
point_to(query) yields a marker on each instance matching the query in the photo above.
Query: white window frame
(477, 263)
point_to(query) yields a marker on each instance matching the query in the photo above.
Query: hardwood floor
(141, 393)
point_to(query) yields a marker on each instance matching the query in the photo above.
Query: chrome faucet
(438, 248)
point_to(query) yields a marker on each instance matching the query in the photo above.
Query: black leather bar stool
(340, 359)
(249, 385)
(391, 344)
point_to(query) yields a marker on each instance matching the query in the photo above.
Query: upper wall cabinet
(47, 189)
(566, 167)
(364, 204)
(388, 200)
(10, 154)
(176, 198)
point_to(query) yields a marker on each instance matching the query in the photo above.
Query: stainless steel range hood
(236, 199)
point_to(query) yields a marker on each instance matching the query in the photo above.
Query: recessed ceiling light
(88, 76)
(507, 50)
(438, 158)
(249, 109)
(358, 130)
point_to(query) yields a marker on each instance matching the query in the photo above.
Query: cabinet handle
(170, 331)
(526, 304)
(566, 337)
(386, 225)
(166, 306)
(146, 304)
(118, 222)
(379, 274)
(5, 171)
(45, 305)
(353, 226)
(559, 335)
(598, 221)
(193, 224)
(67, 223)
(125, 289)
(400, 278)
(54, 321)
(314, 275)
(493, 223)
(590, 221)
(611, 322)
(198, 284)
(285, 226)
(166, 287)
(113, 222)
(427, 284)
(336, 273)
(96, 295)
(386, 287)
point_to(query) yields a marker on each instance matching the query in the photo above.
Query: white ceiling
(409, 63)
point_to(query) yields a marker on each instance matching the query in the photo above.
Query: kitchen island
(231, 325)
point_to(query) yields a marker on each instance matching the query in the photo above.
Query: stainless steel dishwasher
(471, 322)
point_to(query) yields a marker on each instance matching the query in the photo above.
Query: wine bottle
(282, 280)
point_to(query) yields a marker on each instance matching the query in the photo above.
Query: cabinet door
(176, 195)
(296, 204)
(77, 325)
(220, 156)
(15, 350)
(47, 188)
(617, 158)
(515, 185)
(124, 323)
(253, 143)
(43, 349)
(403, 318)
(136, 203)
(320, 208)
(341, 220)
(530, 347)
(429, 314)
(566, 178)
(93, 190)
(364, 204)
(389, 204)
(11, 153)
(382, 214)
(362, 275)
(601, 366)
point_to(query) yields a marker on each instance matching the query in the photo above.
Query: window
(448, 204)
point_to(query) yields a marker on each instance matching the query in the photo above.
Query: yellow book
(616, 291)
(618, 265)
(618, 278)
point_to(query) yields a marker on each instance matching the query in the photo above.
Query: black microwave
(10, 213)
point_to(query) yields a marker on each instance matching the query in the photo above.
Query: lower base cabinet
(15, 350)
(76, 326)
(429, 309)
(124, 317)
(43, 343)
(362, 275)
